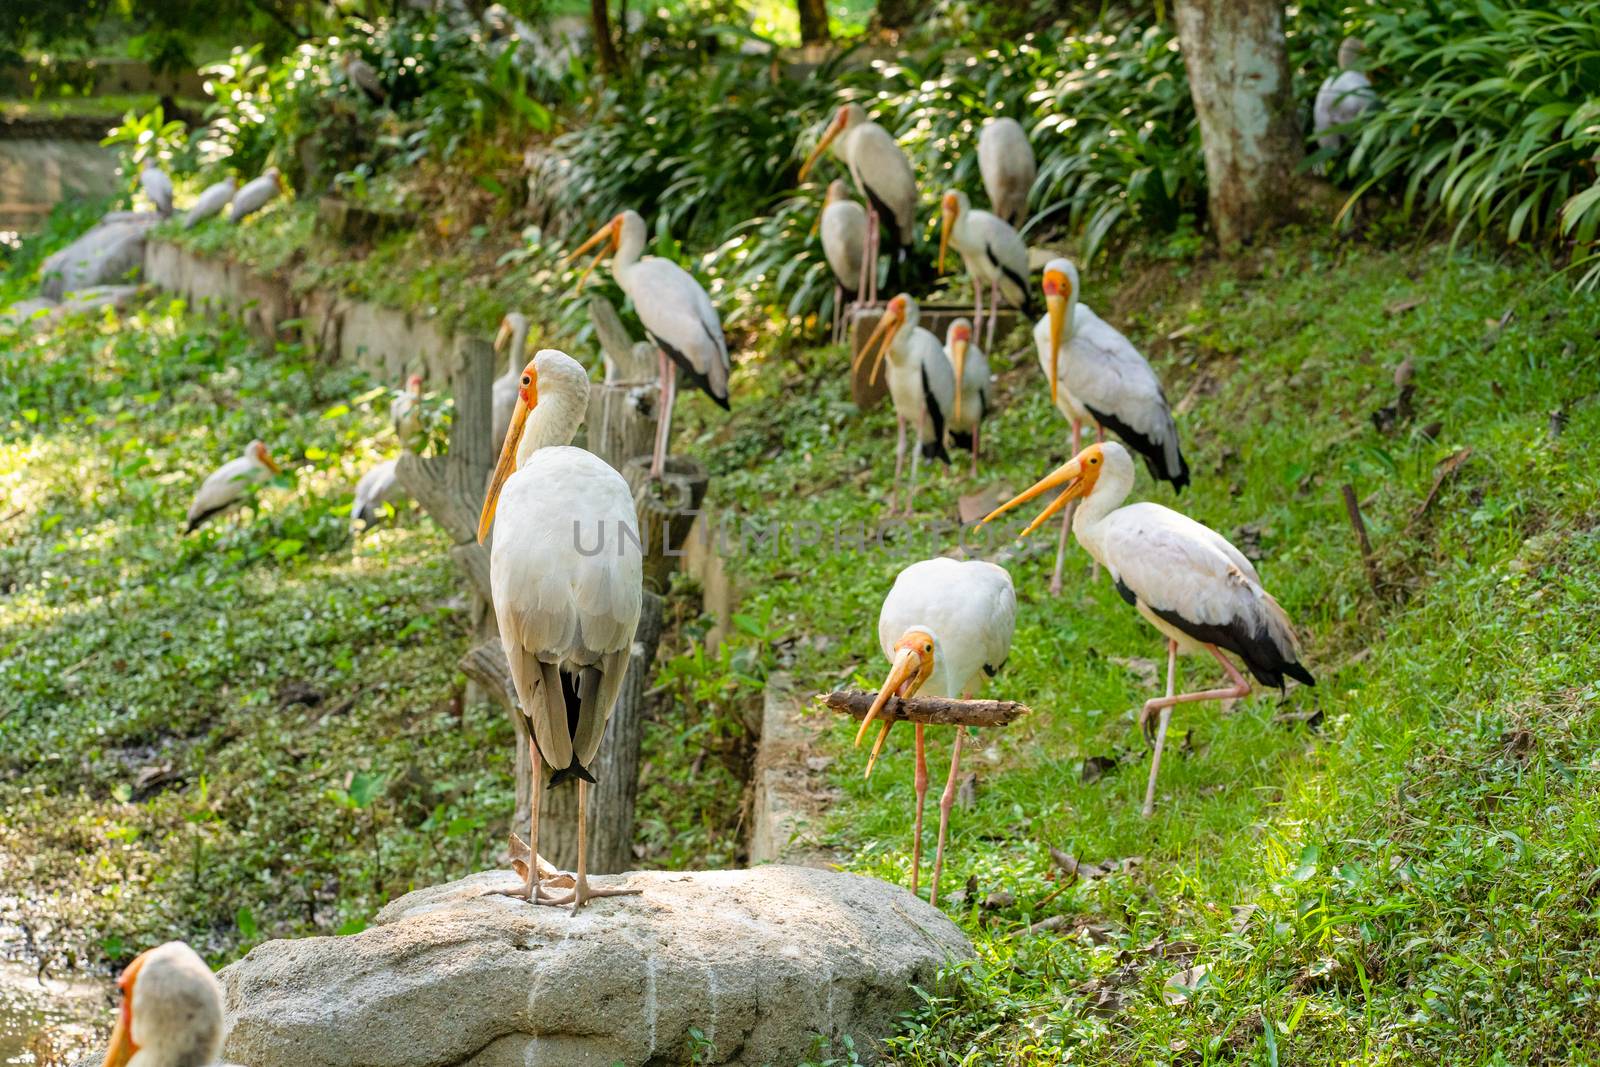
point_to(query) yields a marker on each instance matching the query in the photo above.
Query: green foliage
(150, 136)
(1490, 117)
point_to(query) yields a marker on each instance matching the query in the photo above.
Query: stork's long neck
(1109, 491)
(519, 345)
(554, 420)
(630, 244)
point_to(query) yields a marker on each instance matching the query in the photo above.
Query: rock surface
(761, 961)
(107, 254)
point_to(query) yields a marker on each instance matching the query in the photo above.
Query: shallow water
(35, 175)
(69, 1014)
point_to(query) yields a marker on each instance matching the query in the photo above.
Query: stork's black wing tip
(573, 770)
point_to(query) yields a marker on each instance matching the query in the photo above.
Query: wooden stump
(667, 510)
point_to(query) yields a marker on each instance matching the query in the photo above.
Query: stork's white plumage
(843, 224)
(405, 413)
(675, 311)
(226, 487)
(513, 338)
(1005, 159)
(994, 254)
(255, 194)
(944, 626)
(157, 186)
(171, 1013)
(210, 202)
(567, 614)
(1186, 579)
(1344, 97)
(922, 386)
(379, 486)
(883, 177)
(971, 369)
(363, 76)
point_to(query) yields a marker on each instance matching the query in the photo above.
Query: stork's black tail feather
(961, 439)
(576, 770)
(935, 450)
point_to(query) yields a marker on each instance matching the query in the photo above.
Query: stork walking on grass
(1005, 160)
(883, 176)
(171, 1013)
(1098, 378)
(1184, 578)
(567, 616)
(994, 254)
(922, 386)
(944, 626)
(676, 313)
(971, 369)
(843, 224)
(228, 486)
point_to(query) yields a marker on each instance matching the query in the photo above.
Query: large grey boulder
(106, 255)
(760, 961)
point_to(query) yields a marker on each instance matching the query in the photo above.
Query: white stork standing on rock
(567, 616)
(921, 384)
(157, 186)
(171, 1013)
(210, 202)
(944, 626)
(884, 178)
(1097, 377)
(1184, 578)
(674, 310)
(226, 487)
(971, 368)
(1005, 160)
(255, 194)
(843, 224)
(994, 254)
(512, 338)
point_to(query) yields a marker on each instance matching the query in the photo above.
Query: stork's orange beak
(882, 337)
(1057, 289)
(1078, 474)
(503, 337)
(947, 214)
(527, 400)
(123, 1048)
(612, 232)
(835, 128)
(272, 464)
(905, 678)
(958, 357)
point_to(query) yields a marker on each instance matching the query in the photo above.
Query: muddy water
(35, 175)
(68, 1016)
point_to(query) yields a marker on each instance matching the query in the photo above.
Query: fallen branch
(931, 711)
(1352, 507)
(1441, 475)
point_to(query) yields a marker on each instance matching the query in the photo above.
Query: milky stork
(255, 194)
(405, 414)
(171, 1014)
(884, 178)
(674, 310)
(994, 254)
(157, 186)
(1097, 377)
(922, 386)
(210, 202)
(379, 486)
(226, 487)
(843, 224)
(1343, 97)
(944, 626)
(1184, 578)
(1005, 160)
(567, 615)
(513, 339)
(971, 368)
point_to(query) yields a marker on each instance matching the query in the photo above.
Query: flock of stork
(567, 615)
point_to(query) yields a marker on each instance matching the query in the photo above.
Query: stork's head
(171, 1005)
(566, 398)
(957, 339)
(511, 324)
(1351, 49)
(607, 237)
(952, 206)
(1075, 478)
(257, 451)
(1060, 292)
(847, 116)
(275, 175)
(899, 311)
(414, 384)
(910, 668)
(837, 191)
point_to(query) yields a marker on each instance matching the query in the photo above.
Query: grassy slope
(1425, 863)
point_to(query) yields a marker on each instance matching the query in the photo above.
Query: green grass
(1424, 861)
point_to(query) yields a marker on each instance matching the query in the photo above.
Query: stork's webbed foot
(584, 893)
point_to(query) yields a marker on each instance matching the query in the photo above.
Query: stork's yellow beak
(1071, 474)
(903, 681)
(835, 128)
(958, 357)
(503, 337)
(947, 219)
(123, 1048)
(1057, 289)
(527, 400)
(883, 336)
(611, 232)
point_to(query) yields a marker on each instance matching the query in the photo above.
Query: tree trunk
(813, 22)
(605, 49)
(1238, 66)
(897, 14)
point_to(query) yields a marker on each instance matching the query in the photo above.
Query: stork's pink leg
(946, 801)
(867, 266)
(977, 428)
(920, 786)
(1239, 688)
(669, 394)
(916, 462)
(977, 310)
(1066, 522)
(899, 463)
(582, 893)
(838, 312)
(994, 308)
